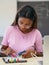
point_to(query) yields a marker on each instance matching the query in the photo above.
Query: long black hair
(26, 12)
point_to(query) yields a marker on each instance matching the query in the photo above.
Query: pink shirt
(19, 41)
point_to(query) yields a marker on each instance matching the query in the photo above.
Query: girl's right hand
(8, 51)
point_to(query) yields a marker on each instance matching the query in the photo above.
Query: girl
(23, 35)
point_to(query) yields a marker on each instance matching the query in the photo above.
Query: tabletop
(32, 61)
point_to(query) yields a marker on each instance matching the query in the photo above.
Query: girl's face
(24, 24)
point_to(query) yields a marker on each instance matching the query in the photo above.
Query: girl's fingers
(4, 52)
(23, 55)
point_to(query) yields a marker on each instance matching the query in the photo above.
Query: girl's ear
(35, 24)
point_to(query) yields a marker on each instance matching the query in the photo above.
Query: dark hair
(27, 12)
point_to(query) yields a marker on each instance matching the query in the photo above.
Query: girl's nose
(23, 26)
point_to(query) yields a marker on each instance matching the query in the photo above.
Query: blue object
(21, 52)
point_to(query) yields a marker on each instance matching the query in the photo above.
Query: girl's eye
(27, 25)
(21, 22)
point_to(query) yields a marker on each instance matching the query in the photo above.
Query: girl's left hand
(27, 54)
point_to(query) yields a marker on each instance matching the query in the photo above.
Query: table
(32, 61)
(46, 50)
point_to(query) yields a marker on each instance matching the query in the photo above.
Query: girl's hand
(5, 52)
(8, 51)
(28, 54)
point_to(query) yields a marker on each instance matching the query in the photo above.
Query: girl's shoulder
(37, 32)
(8, 29)
(11, 28)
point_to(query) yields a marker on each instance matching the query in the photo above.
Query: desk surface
(46, 51)
(32, 61)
